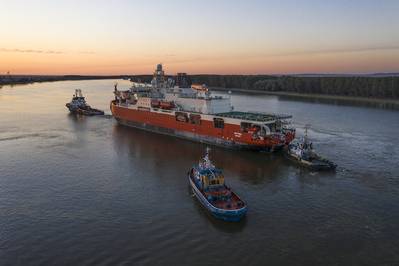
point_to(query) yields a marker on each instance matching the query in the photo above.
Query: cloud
(86, 52)
(15, 50)
(264, 56)
(35, 51)
(337, 50)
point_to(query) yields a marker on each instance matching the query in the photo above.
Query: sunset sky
(207, 36)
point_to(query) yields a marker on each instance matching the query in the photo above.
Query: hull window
(181, 117)
(245, 126)
(218, 123)
(195, 119)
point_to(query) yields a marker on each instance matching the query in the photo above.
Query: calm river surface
(78, 191)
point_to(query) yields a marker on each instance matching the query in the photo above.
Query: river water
(84, 190)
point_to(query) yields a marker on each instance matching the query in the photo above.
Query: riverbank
(26, 79)
(383, 103)
(372, 90)
(332, 99)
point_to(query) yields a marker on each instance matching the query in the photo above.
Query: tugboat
(78, 105)
(207, 183)
(302, 152)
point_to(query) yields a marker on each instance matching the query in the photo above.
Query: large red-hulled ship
(176, 107)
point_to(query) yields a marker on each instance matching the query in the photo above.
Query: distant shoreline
(28, 79)
(382, 103)
(322, 98)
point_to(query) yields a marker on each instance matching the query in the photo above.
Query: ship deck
(254, 116)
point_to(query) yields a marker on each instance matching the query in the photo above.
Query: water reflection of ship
(80, 119)
(250, 167)
(79, 126)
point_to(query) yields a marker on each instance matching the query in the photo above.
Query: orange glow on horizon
(112, 64)
(204, 37)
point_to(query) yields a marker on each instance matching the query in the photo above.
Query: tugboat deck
(254, 116)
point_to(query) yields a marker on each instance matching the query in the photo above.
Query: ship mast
(159, 77)
(307, 126)
(206, 162)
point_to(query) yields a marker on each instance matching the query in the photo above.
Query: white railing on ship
(279, 116)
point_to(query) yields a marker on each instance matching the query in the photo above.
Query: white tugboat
(78, 105)
(302, 151)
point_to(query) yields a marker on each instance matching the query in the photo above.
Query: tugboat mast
(306, 132)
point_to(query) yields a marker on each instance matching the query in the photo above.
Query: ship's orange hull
(230, 135)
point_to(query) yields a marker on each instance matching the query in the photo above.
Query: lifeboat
(155, 103)
(167, 105)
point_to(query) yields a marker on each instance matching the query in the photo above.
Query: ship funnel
(183, 80)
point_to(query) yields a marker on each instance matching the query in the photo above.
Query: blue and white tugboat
(302, 152)
(78, 105)
(207, 183)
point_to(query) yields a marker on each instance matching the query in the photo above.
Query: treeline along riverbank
(371, 90)
(380, 91)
